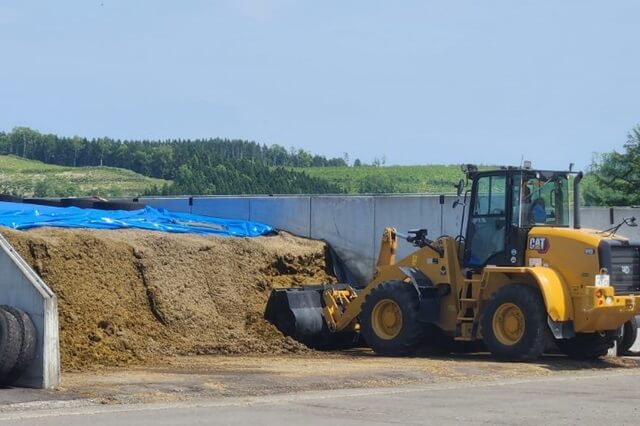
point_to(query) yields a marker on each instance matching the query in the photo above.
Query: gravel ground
(205, 377)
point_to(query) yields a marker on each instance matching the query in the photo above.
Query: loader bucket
(296, 312)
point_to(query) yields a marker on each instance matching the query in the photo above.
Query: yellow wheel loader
(520, 277)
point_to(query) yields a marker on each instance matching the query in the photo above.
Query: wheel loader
(523, 275)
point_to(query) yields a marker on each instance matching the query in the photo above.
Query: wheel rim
(508, 324)
(386, 319)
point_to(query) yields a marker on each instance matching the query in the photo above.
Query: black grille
(624, 268)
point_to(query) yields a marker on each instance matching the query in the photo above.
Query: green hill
(437, 179)
(432, 179)
(22, 177)
(199, 166)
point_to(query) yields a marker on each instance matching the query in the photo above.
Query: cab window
(487, 227)
(544, 200)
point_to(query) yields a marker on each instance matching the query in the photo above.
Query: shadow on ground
(551, 361)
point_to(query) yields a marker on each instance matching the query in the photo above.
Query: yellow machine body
(520, 272)
(564, 274)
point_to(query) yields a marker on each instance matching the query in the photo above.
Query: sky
(418, 82)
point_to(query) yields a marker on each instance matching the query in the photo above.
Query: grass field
(33, 178)
(28, 178)
(391, 179)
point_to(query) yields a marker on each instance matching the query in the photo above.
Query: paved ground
(198, 377)
(607, 397)
(346, 387)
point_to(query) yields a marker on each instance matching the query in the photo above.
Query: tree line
(223, 166)
(202, 166)
(615, 176)
(151, 158)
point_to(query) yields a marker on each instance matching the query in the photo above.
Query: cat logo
(540, 244)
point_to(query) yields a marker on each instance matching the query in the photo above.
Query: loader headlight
(608, 300)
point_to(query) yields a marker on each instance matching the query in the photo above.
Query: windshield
(540, 199)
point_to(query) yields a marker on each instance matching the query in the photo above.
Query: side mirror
(631, 221)
(459, 187)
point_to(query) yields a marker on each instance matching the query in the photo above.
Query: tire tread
(529, 300)
(10, 345)
(28, 345)
(586, 346)
(405, 295)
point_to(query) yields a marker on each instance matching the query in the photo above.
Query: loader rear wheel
(586, 346)
(514, 323)
(389, 319)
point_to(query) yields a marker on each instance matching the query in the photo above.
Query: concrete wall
(348, 224)
(605, 218)
(176, 204)
(20, 287)
(292, 213)
(405, 213)
(353, 225)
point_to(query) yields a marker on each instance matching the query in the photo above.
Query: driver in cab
(532, 209)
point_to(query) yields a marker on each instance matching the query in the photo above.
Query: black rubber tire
(586, 346)
(532, 343)
(629, 336)
(10, 344)
(43, 202)
(10, 198)
(83, 203)
(412, 331)
(27, 349)
(118, 205)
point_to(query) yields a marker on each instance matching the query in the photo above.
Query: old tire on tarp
(118, 205)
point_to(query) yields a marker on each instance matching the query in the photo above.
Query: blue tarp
(26, 216)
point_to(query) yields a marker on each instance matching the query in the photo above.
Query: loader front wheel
(389, 319)
(628, 338)
(514, 323)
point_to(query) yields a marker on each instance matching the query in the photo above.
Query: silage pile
(137, 296)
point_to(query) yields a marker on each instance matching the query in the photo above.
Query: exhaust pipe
(576, 200)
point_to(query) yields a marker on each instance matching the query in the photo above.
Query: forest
(202, 166)
(224, 166)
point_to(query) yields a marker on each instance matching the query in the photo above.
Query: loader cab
(504, 206)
